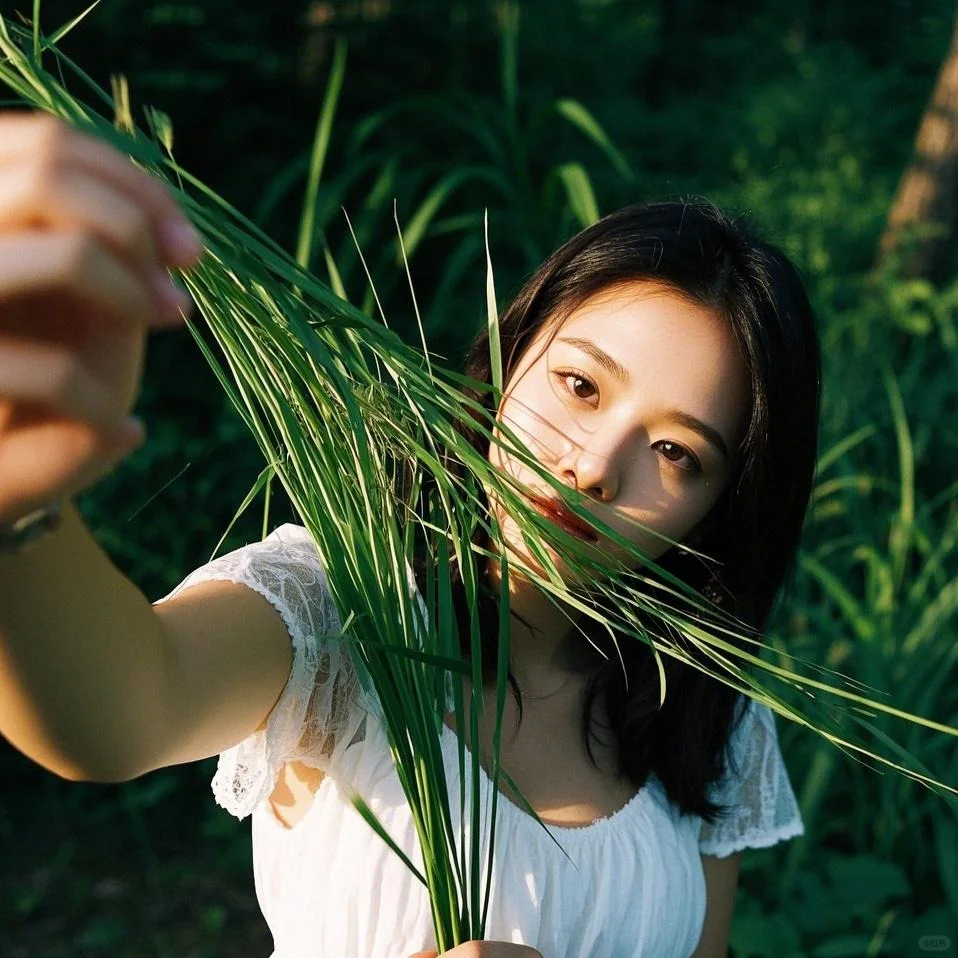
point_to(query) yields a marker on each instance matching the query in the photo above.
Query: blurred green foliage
(801, 115)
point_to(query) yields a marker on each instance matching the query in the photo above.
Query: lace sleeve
(322, 704)
(764, 810)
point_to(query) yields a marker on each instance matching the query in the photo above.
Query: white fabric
(632, 885)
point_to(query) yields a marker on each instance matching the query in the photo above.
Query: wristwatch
(19, 535)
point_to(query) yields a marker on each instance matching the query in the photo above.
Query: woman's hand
(85, 243)
(484, 949)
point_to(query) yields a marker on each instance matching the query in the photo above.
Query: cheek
(673, 516)
(532, 415)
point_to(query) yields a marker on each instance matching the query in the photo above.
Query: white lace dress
(330, 887)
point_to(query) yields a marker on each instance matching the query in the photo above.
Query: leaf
(946, 841)
(262, 481)
(579, 193)
(161, 126)
(584, 121)
(59, 34)
(369, 817)
(415, 230)
(492, 319)
(843, 446)
(850, 607)
(754, 935)
(843, 946)
(324, 126)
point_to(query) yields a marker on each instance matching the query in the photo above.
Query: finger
(54, 144)
(75, 200)
(40, 374)
(75, 264)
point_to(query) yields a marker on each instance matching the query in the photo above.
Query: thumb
(425, 954)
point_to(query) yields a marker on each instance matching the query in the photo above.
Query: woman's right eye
(566, 374)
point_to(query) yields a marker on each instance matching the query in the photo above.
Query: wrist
(21, 534)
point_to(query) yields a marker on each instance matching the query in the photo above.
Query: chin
(519, 551)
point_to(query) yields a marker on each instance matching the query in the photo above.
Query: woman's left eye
(675, 453)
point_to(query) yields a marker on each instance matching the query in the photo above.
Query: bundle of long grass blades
(353, 422)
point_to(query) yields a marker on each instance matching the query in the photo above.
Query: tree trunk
(923, 216)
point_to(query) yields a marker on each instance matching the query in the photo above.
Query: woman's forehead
(659, 344)
(629, 321)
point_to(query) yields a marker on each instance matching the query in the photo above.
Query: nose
(590, 472)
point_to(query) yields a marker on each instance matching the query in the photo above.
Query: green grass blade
(492, 319)
(902, 531)
(412, 293)
(579, 193)
(37, 49)
(262, 480)
(585, 122)
(59, 34)
(304, 246)
(840, 448)
(370, 818)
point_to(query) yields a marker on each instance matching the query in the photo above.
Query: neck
(545, 646)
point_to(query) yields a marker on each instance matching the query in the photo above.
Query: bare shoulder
(229, 654)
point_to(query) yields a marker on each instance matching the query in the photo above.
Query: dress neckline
(596, 826)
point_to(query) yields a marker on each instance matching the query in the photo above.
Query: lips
(553, 509)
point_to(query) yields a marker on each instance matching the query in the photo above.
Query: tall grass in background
(488, 156)
(836, 598)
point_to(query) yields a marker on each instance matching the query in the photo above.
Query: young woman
(663, 362)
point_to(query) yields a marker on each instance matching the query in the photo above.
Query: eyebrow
(616, 369)
(712, 436)
(600, 356)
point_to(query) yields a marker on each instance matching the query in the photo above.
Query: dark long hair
(753, 530)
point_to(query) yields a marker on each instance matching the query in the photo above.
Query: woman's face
(639, 402)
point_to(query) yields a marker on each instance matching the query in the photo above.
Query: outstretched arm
(95, 684)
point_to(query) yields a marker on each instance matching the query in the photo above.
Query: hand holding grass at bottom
(485, 949)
